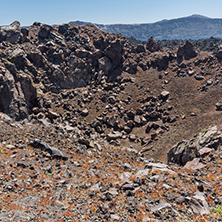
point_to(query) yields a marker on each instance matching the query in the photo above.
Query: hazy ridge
(194, 26)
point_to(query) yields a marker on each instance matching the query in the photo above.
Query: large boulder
(187, 150)
(199, 204)
(186, 51)
(105, 64)
(54, 152)
(10, 33)
(17, 93)
(218, 54)
(114, 52)
(130, 65)
(44, 31)
(152, 45)
(219, 106)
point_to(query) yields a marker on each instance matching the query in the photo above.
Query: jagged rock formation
(187, 51)
(10, 33)
(83, 114)
(195, 147)
(40, 73)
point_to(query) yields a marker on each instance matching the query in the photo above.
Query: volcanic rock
(152, 45)
(187, 150)
(54, 152)
(10, 33)
(114, 136)
(219, 106)
(199, 205)
(187, 51)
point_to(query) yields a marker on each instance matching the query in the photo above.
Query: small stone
(10, 147)
(200, 187)
(219, 106)
(132, 137)
(54, 152)
(191, 72)
(181, 200)
(95, 188)
(21, 164)
(161, 206)
(115, 217)
(114, 136)
(127, 166)
(52, 115)
(204, 151)
(194, 164)
(85, 112)
(113, 191)
(137, 120)
(164, 94)
(209, 82)
(48, 169)
(130, 193)
(133, 79)
(128, 186)
(69, 128)
(166, 186)
(199, 78)
(199, 204)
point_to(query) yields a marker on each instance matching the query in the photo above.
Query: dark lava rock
(152, 45)
(10, 33)
(219, 106)
(186, 51)
(187, 150)
(54, 152)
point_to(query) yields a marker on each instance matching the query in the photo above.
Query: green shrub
(204, 130)
(218, 209)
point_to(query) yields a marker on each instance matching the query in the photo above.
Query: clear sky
(103, 11)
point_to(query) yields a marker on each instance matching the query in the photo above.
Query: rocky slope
(86, 118)
(194, 26)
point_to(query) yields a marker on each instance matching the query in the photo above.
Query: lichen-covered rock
(187, 150)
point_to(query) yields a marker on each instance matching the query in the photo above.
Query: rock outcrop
(187, 150)
(11, 33)
(187, 51)
(152, 45)
(106, 112)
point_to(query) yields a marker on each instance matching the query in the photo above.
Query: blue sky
(102, 11)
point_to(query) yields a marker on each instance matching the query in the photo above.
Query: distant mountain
(194, 26)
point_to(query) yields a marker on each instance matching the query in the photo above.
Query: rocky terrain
(208, 44)
(95, 128)
(194, 26)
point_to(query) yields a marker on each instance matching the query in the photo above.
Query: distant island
(194, 27)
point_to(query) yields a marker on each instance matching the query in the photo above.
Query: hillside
(94, 128)
(195, 26)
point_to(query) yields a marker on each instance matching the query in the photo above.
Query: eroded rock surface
(107, 112)
(187, 150)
